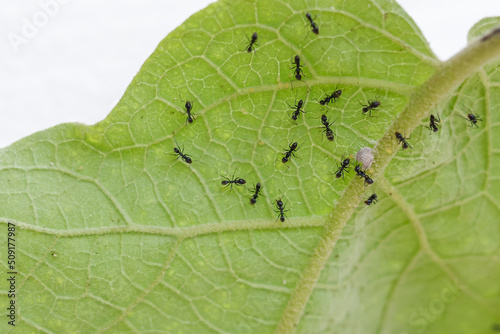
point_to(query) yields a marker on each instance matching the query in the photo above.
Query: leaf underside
(116, 235)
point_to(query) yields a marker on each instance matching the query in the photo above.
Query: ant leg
(308, 88)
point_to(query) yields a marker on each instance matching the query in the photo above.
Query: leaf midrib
(448, 76)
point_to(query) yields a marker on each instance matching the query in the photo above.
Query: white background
(77, 65)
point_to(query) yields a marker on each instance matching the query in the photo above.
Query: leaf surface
(116, 235)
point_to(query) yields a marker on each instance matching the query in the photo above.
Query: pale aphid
(365, 156)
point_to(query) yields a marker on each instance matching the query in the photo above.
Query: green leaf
(114, 235)
(483, 26)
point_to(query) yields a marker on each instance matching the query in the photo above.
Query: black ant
(344, 165)
(334, 96)
(328, 131)
(402, 139)
(289, 153)
(358, 171)
(228, 182)
(251, 43)
(370, 106)
(188, 106)
(432, 123)
(256, 191)
(180, 153)
(297, 111)
(372, 199)
(472, 118)
(297, 70)
(362, 174)
(281, 210)
(314, 26)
